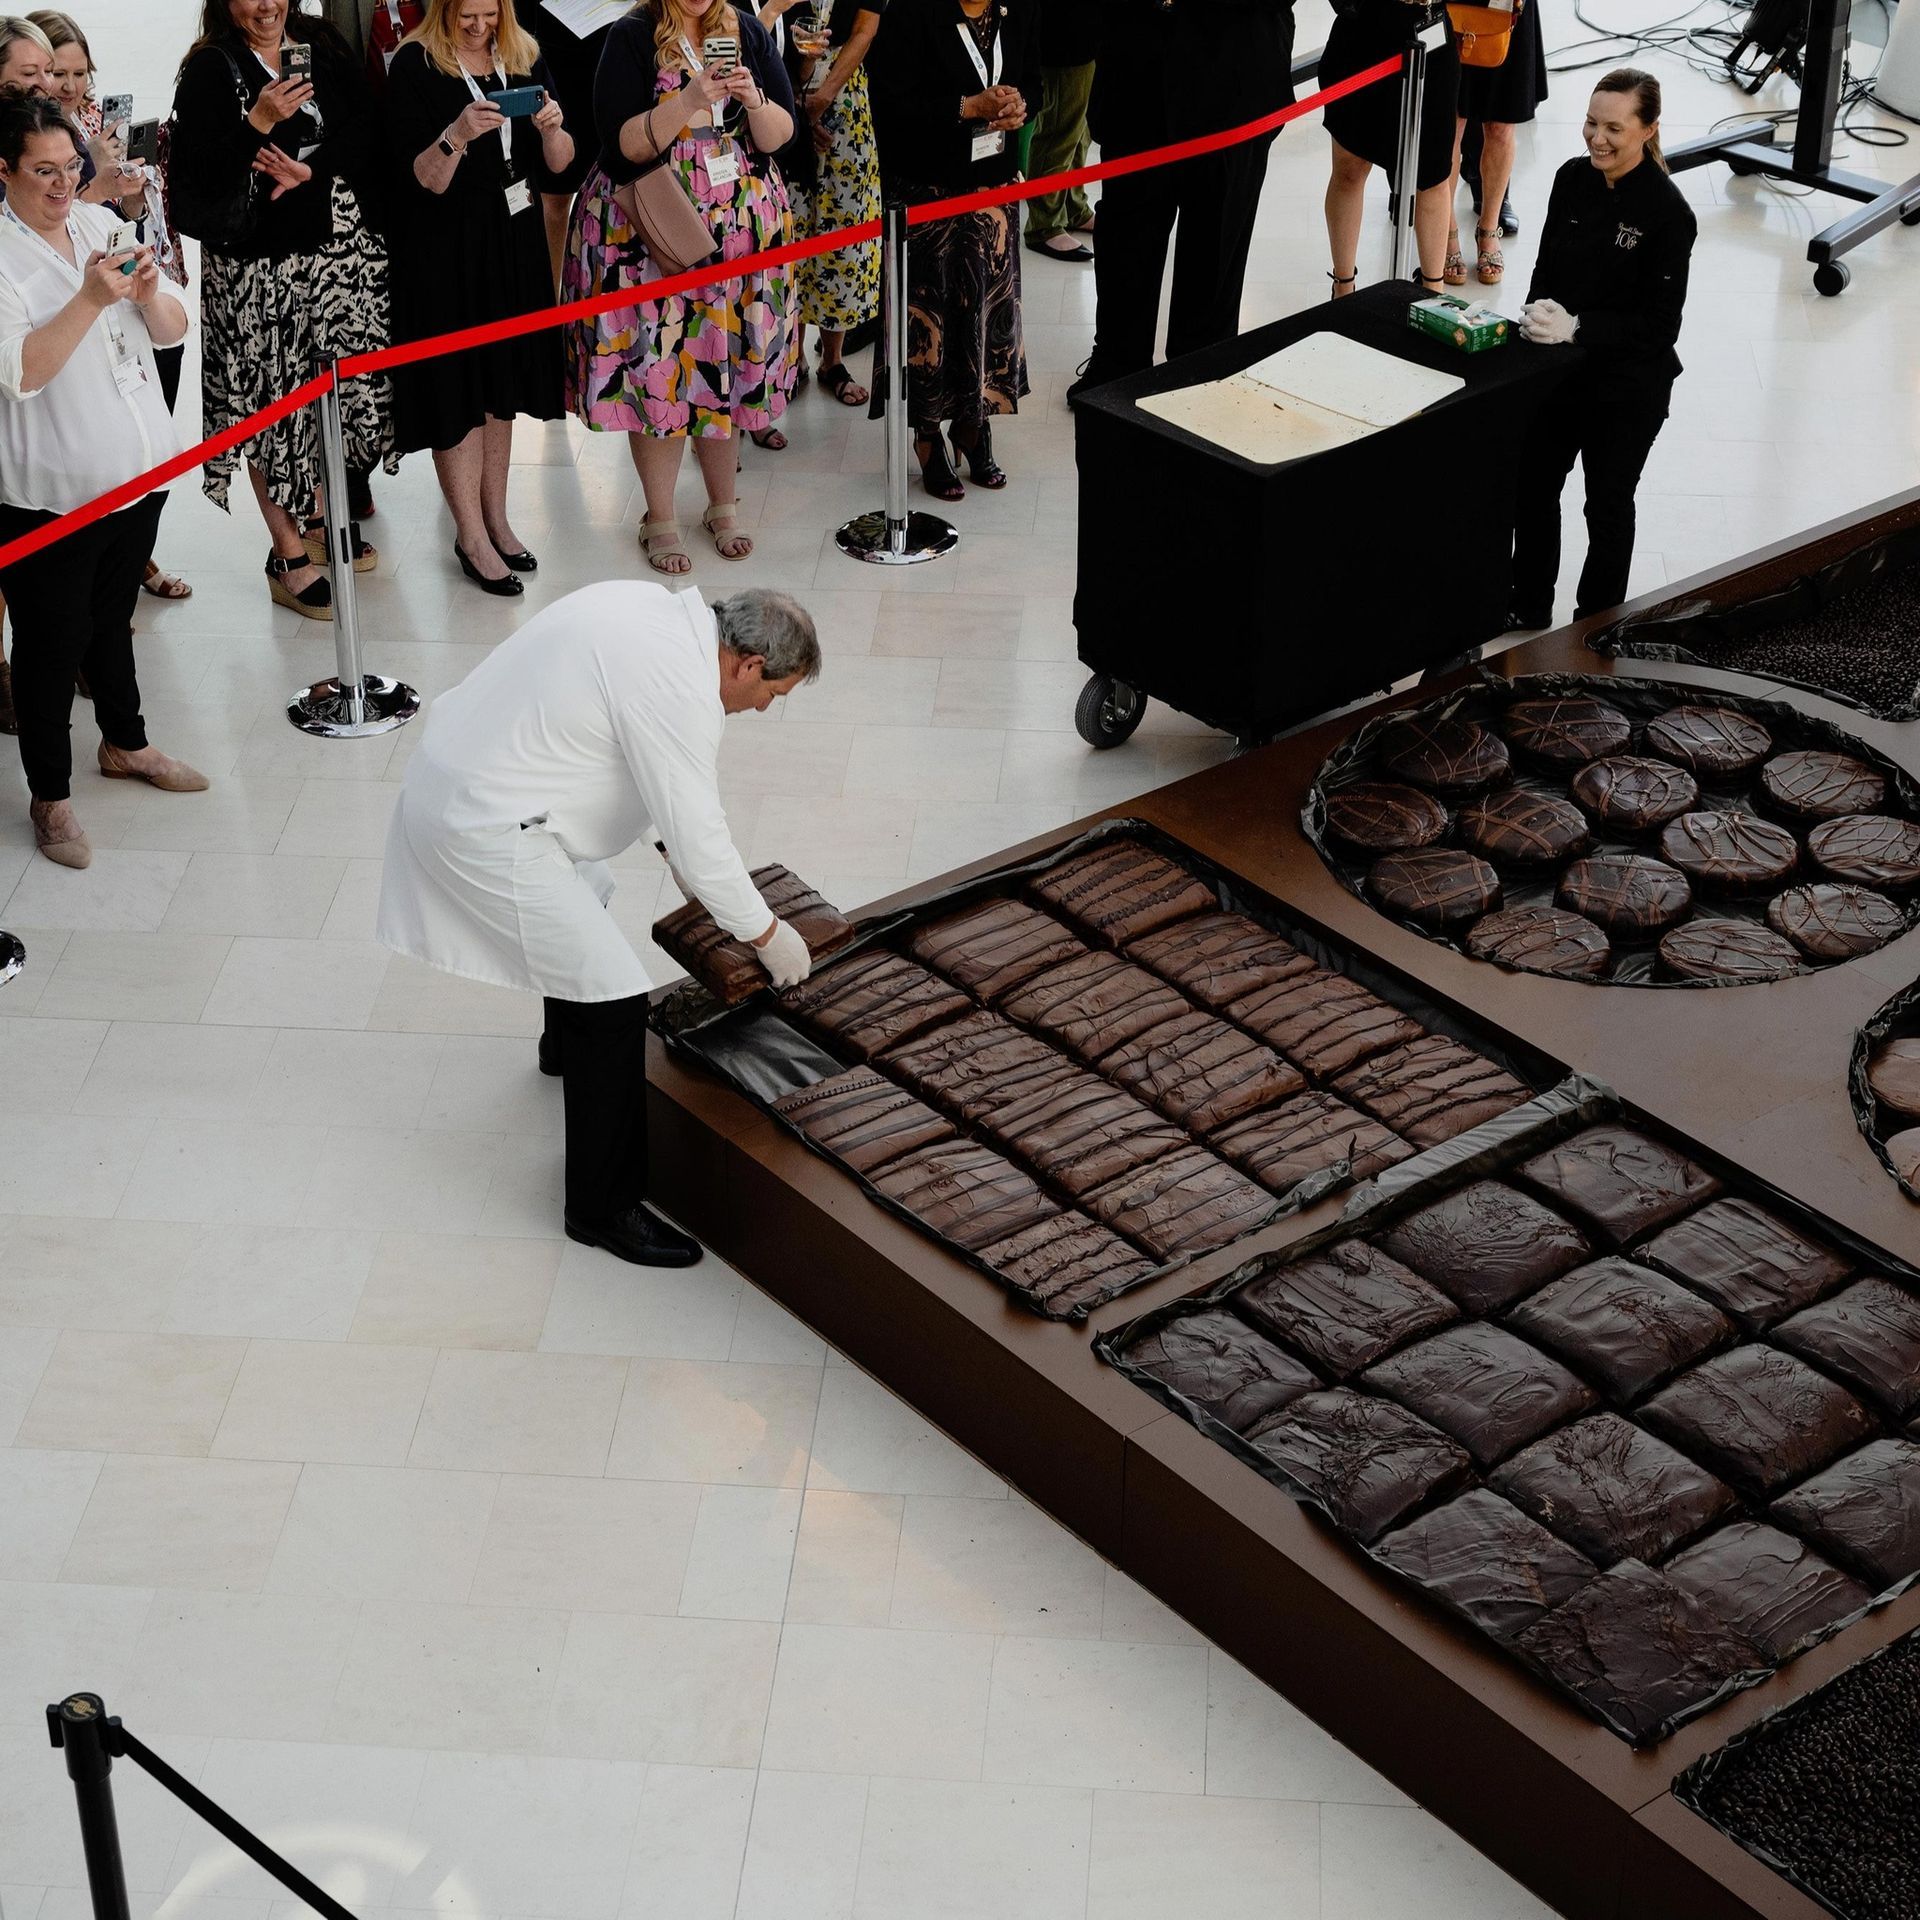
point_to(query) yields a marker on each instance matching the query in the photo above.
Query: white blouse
(81, 434)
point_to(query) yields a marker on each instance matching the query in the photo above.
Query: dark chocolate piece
(1863, 1512)
(1218, 1362)
(1077, 1133)
(1517, 827)
(1304, 1136)
(1093, 1004)
(1542, 940)
(1768, 1587)
(1185, 1202)
(992, 948)
(1625, 1327)
(1868, 848)
(729, 969)
(1893, 1072)
(1635, 1650)
(1368, 1462)
(862, 1119)
(1729, 852)
(1630, 895)
(1484, 1559)
(973, 1065)
(1324, 1022)
(1631, 796)
(1119, 890)
(1486, 1245)
(1218, 958)
(1344, 1307)
(1868, 1336)
(1437, 889)
(1712, 741)
(1615, 1492)
(1730, 953)
(1067, 1263)
(1812, 784)
(1754, 1268)
(1828, 922)
(1566, 733)
(1618, 1183)
(1200, 1071)
(1448, 755)
(1484, 1386)
(966, 1193)
(872, 1001)
(1383, 816)
(1759, 1418)
(1431, 1089)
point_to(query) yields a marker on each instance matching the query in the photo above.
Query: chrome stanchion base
(327, 708)
(13, 956)
(869, 537)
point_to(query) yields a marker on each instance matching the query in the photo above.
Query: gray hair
(773, 624)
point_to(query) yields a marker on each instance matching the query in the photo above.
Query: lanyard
(109, 320)
(312, 108)
(506, 126)
(973, 53)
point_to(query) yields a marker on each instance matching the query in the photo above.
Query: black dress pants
(1610, 429)
(602, 1049)
(72, 611)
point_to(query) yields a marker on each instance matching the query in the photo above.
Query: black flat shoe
(1521, 620)
(521, 562)
(507, 589)
(550, 1057)
(638, 1235)
(1509, 220)
(1076, 255)
(982, 468)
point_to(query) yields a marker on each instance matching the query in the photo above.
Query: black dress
(1513, 90)
(571, 62)
(460, 259)
(1367, 123)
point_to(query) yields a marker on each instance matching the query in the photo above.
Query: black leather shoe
(1521, 620)
(1509, 220)
(521, 562)
(550, 1057)
(639, 1235)
(505, 588)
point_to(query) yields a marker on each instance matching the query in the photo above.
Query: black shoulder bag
(222, 218)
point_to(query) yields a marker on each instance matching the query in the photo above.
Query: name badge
(306, 153)
(129, 375)
(519, 196)
(989, 146)
(723, 166)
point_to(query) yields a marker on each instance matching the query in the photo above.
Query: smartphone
(143, 143)
(122, 237)
(721, 51)
(516, 103)
(296, 61)
(115, 111)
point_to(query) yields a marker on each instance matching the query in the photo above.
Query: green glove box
(1470, 325)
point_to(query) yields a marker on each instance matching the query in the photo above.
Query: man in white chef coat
(597, 723)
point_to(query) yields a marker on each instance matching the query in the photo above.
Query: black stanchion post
(80, 1726)
(13, 956)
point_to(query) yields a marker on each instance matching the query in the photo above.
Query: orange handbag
(1484, 33)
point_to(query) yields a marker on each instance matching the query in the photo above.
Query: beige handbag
(668, 224)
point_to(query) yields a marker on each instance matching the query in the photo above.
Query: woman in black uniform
(1612, 279)
(1496, 99)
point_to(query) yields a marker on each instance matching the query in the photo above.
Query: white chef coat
(599, 719)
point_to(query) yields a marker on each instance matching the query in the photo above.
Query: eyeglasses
(74, 170)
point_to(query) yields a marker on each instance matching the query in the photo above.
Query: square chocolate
(1323, 1022)
(1486, 1244)
(729, 969)
(1767, 1586)
(973, 1065)
(1637, 1650)
(1218, 958)
(1216, 1360)
(862, 1119)
(1431, 1089)
(1484, 1386)
(1863, 1512)
(1078, 1133)
(1368, 1462)
(1868, 1336)
(966, 1193)
(1306, 1135)
(1344, 1307)
(1200, 1071)
(1093, 1004)
(1185, 1203)
(1119, 890)
(1759, 1418)
(1067, 1264)
(993, 947)
(1618, 1183)
(1754, 1268)
(873, 1001)
(1483, 1558)
(1625, 1327)
(1612, 1491)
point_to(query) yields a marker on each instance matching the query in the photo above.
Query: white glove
(1548, 324)
(785, 956)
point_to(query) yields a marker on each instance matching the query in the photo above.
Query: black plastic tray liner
(763, 1055)
(1899, 1019)
(1640, 701)
(1487, 1152)
(1759, 636)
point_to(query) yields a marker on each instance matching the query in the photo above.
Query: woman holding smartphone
(471, 247)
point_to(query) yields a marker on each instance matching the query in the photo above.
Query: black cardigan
(214, 143)
(920, 73)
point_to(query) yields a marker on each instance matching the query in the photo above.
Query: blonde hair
(716, 16)
(1644, 91)
(516, 49)
(62, 30)
(13, 27)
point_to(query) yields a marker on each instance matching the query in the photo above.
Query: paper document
(1345, 377)
(582, 17)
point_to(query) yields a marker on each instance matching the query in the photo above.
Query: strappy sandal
(982, 468)
(722, 521)
(769, 440)
(936, 470)
(1492, 264)
(313, 536)
(1434, 282)
(314, 601)
(660, 540)
(1454, 273)
(164, 585)
(837, 378)
(1342, 280)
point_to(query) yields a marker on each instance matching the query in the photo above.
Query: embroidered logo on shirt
(1627, 237)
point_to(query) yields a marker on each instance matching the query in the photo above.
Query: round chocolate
(1566, 733)
(1871, 848)
(1382, 816)
(1835, 923)
(1731, 952)
(1542, 940)
(1809, 784)
(1628, 894)
(1894, 1075)
(1631, 795)
(1729, 852)
(1903, 1149)
(1438, 888)
(1448, 754)
(1519, 828)
(1714, 741)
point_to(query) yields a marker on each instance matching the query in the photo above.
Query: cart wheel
(1108, 711)
(1911, 218)
(1831, 278)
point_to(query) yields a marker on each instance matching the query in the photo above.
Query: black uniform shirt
(1617, 257)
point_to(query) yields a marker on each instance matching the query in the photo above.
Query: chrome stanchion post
(13, 956)
(1406, 166)
(354, 703)
(79, 1726)
(891, 536)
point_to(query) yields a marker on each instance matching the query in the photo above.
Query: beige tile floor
(486, 1576)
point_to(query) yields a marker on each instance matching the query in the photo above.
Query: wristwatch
(449, 149)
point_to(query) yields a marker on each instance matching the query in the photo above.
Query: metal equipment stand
(890, 536)
(1751, 147)
(13, 956)
(353, 703)
(1406, 164)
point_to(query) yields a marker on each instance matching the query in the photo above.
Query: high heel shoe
(314, 601)
(508, 588)
(521, 562)
(313, 536)
(982, 468)
(936, 470)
